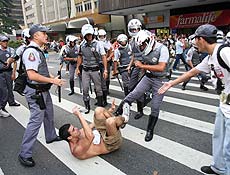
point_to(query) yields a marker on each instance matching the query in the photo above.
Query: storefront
(158, 22)
(187, 23)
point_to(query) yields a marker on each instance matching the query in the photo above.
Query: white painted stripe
(61, 149)
(50, 67)
(167, 116)
(175, 151)
(194, 93)
(1, 172)
(181, 102)
(189, 84)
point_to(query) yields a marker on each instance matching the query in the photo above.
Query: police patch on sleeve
(31, 57)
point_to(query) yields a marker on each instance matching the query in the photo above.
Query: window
(79, 7)
(88, 6)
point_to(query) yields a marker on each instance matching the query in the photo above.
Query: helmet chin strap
(149, 47)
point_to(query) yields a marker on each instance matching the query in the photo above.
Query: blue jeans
(221, 144)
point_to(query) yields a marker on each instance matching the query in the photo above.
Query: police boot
(100, 101)
(151, 124)
(119, 109)
(139, 110)
(87, 107)
(71, 83)
(105, 103)
(126, 91)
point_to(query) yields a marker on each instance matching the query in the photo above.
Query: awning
(61, 26)
(78, 23)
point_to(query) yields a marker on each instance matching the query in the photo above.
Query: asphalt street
(180, 146)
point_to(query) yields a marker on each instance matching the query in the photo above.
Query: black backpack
(220, 60)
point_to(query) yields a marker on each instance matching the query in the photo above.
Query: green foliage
(6, 23)
(14, 44)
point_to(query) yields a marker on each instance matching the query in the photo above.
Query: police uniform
(123, 55)
(105, 82)
(91, 56)
(6, 83)
(34, 59)
(71, 53)
(151, 81)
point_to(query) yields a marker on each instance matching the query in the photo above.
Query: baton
(59, 88)
(80, 83)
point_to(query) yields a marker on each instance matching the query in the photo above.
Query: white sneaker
(126, 112)
(4, 114)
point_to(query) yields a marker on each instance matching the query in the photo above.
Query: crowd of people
(145, 63)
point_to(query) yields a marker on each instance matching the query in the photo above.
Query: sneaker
(126, 112)
(207, 170)
(4, 113)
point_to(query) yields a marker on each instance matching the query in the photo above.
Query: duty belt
(225, 98)
(85, 68)
(40, 87)
(150, 75)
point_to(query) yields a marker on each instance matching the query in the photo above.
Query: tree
(7, 24)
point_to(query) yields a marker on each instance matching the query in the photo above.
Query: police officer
(134, 26)
(70, 54)
(123, 55)
(7, 75)
(91, 52)
(37, 95)
(108, 49)
(155, 57)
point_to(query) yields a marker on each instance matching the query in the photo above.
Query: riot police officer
(37, 95)
(70, 54)
(155, 57)
(123, 55)
(91, 52)
(108, 49)
(7, 75)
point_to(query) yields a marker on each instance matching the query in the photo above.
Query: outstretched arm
(180, 79)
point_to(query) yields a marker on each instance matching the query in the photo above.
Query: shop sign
(217, 18)
(153, 19)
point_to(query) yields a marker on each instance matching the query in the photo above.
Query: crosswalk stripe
(181, 102)
(1, 172)
(189, 84)
(62, 152)
(167, 116)
(175, 151)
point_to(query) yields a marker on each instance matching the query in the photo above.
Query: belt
(90, 68)
(225, 98)
(40, 87)
(150, 75)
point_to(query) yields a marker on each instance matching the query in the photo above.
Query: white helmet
(70, 38)
(87, 29)
(101, 32)
(25, 34)
(134, 24)
(219, 34)
(144, 37)
(122, 38)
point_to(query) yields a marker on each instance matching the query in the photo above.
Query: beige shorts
(112, 143)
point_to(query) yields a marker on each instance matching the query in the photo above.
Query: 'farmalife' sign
(217, 18)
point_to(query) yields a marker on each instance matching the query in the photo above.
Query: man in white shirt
(205, 39)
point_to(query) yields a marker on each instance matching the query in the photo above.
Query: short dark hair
(63, 132)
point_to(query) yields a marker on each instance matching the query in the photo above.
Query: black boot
(126, 91)
(119, 109)
(71, 84)
(87, 107)
(105, 103)
(100, 101)
(151, 124)
(139, 110)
